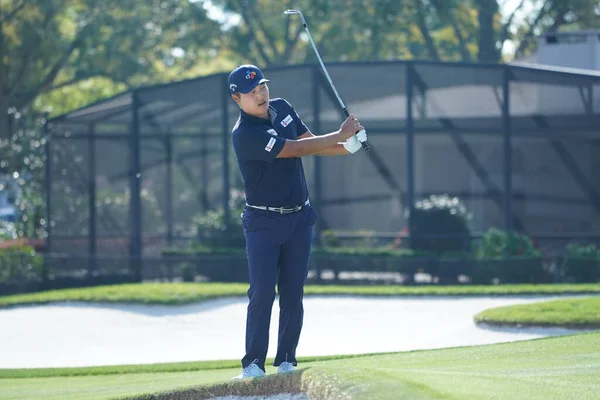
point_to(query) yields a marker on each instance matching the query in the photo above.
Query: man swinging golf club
(269, 140)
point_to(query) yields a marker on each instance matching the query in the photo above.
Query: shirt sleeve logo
(286, 121)
(269, 146)
(272, 132)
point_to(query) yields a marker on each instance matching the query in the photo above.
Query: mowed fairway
(566, 367)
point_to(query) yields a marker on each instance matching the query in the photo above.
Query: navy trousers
(278, 248)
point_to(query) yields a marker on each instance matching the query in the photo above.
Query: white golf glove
(354, 143)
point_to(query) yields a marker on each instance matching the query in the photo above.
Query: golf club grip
(364, 144)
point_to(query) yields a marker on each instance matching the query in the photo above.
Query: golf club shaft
(365, 145)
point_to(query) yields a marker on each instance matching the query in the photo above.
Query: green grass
(138, 368)
(184, 293)
(556, 368)
(570, 313)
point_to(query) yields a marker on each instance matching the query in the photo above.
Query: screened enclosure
(519, 145)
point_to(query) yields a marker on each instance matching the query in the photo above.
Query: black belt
(281, 210)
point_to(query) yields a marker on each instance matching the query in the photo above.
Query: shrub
(8, 230)
(209, 229)
(439, 225)
(581, 263)
(114, 204)
(20, 263)
(361, 238)
(509, 257)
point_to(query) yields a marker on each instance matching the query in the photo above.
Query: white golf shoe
(251, 371)
(285, 367)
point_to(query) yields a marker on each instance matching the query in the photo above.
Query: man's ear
(236, 98)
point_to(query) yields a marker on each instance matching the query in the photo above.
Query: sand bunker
(74, 335)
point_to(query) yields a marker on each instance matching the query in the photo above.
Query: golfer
(269, 139)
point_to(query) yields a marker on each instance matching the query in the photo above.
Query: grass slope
(185, 293)
(556, 368)
(569, 313)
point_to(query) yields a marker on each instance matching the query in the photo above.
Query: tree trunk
(422, 24)
(488, 51)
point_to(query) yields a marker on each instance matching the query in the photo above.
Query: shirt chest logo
(272, 132)
(286, 121)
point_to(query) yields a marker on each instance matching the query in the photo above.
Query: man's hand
(350, 126)
(353, 142)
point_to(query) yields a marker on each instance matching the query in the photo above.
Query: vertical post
(135, 206)
(225, 128)
(92, 197)
(169, 187)
(204, 172)
(410, 150)
(317, 196)
(507, 131)
(590, 99)
(48, 189)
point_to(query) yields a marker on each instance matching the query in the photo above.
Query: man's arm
(308, 144)
(337, 149)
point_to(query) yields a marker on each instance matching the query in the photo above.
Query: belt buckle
(283, 210)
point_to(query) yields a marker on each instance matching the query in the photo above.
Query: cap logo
(250, 74)
(232, 86)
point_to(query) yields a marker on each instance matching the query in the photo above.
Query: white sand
(73, 335)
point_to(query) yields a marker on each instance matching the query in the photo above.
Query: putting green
(566, 367)
(579, 313)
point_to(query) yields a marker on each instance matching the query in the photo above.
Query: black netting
(459, 150)
(116, 109)
(192, 105)
(560, 185)
(154, 191)
(355, 195)
(439, 76)
(462, 97)
(374, 93)
(69, 194)
(544, 99)
(469, 167)
(197, 181)
(596, 98)
(113, 195)
(296, 86)
(550, 76)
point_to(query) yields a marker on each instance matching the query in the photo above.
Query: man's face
(256, 102)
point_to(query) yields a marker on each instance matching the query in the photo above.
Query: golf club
(365, 145)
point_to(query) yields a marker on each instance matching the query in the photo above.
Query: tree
(49, 49)
(471, 30)
(50, 44)
(267, 37)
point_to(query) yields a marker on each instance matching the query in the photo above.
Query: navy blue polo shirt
(270, 181)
